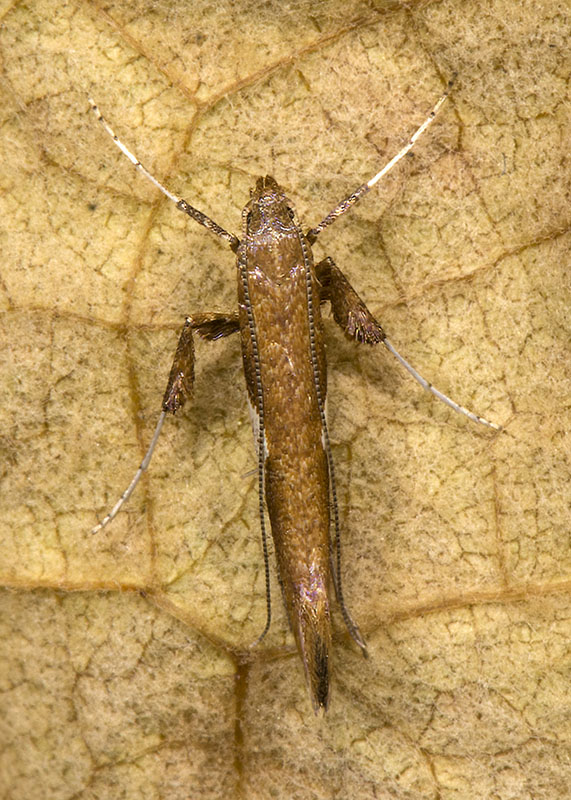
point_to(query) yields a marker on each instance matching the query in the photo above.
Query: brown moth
(280, 291)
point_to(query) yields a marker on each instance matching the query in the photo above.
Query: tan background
(456, 540)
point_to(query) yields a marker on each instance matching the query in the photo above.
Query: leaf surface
(125, 663)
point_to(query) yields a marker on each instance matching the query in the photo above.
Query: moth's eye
(249, 218)
(291, 213)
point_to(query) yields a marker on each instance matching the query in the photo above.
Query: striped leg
(357, 322)
(179, 388)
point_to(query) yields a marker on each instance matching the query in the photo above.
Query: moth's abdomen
(297, 500)
(313, 634)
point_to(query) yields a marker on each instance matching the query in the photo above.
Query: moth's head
(266, 187)
(268, 207)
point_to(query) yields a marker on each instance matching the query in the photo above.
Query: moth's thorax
(271, 241)
(278, 262)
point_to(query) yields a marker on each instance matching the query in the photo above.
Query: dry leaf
(125, 665)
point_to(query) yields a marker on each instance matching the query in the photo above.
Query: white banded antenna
(179, 202)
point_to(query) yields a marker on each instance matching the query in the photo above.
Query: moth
(278, 317)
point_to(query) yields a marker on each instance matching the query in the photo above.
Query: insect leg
(181, 204)
(261, 436)
(349, 311)
(334, 559)
(215, 326)
(357, 322)
(179, 387)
